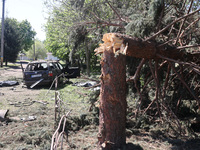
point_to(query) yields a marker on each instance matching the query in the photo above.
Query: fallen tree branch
(184, 83)
(136, 75)
(159, 32)
(187, 46)
(179, 62)
(181, 26)
(118, 15)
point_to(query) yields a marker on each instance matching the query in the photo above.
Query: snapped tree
(166, 39)
(112, 105)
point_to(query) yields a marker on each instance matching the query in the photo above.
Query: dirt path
(28, 119)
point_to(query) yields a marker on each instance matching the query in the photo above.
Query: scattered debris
(27, 102)
(29, 118)
(8, 83)
(85, 84)
(3, 114)
(36, 83)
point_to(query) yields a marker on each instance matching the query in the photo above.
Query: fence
(58, 136)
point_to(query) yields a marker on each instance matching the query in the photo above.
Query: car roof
(42, 61)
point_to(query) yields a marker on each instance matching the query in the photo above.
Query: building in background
(51, 57)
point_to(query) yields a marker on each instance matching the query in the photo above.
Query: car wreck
(44, 72)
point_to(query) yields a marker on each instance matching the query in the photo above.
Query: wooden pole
(2, 33)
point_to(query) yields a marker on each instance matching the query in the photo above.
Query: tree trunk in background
(88, 59)
(113, 105)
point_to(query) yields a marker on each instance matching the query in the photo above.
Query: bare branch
(185, 84)
(189, 26)
(136, 75)
(177, 20)
(179, 62)
(181, 27)
(114, 9)
(187, 46)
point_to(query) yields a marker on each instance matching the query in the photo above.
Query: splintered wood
(136, 47)
(119, 43)
(111, 42)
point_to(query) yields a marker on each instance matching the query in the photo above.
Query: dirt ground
(28, 119)
(29, 124)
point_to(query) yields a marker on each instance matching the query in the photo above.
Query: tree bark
(88, 59)
(112, 117)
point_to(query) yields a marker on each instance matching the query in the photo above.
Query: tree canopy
(18, 36)
(70, 22)
(40, 51)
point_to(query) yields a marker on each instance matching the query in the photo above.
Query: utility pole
(34, 50)
(2, 33)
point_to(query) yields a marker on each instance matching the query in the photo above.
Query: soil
(30, 122)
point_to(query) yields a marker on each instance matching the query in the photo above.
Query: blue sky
(32, 10)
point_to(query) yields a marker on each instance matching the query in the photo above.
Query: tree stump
(112, 117)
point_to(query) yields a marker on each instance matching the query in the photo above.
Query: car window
(31, 67)
(60, 66)
(36, 66)
(43, 66)
(52, 65)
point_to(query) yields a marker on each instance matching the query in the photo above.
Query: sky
(31, 10)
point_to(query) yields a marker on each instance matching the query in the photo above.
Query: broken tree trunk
(135, 47)
(112, 117)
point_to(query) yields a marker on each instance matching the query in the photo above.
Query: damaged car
(42, 73)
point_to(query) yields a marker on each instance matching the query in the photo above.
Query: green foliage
(40, 51)
(145, 18)
(74, 25)
(26, 35)
(12, 44)
(18, 36)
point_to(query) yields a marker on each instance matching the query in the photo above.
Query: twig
(184, 83)
(149, 106)
(166, 80)
(157, 87)
(114, 9)
(135, 78)
(53, 83)
(187, 46)
(181, 27)
(179, 62)
(44, 103)
(189, 26)
(85, 77)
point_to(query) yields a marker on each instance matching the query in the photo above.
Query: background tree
(18, 37)
(11, 40)
(66, 39)
(40, 51)
(27, 35)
